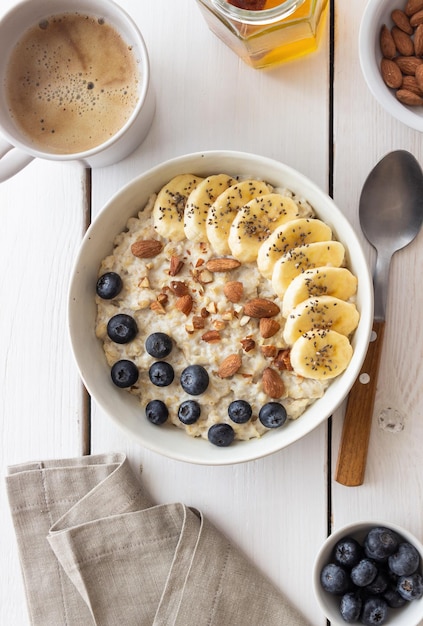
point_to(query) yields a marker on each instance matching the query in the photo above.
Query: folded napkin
(95, 550)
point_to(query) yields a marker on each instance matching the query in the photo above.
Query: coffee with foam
(72, 83)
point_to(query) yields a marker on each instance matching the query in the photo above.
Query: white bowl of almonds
(220, 307)
(391, 57)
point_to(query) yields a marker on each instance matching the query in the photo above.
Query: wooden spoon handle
(352, 455)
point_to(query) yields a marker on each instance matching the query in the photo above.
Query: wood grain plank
(42, 407)
(44, 215)
(209, 100)
(363, 134)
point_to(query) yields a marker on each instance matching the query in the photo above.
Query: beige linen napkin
(95, 550)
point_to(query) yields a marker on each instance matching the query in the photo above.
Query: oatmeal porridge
(225, 307)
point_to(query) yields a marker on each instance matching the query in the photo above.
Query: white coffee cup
(16, 148)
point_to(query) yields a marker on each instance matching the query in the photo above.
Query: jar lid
(261, 16)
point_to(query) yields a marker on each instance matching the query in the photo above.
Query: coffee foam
(72, 83)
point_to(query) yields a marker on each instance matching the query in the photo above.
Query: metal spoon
(391, 214)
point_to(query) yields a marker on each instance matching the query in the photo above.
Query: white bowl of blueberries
(370, 573)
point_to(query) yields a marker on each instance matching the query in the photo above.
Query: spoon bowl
(391, 214)
(394, 188)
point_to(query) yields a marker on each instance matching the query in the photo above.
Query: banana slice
(223, 211)
(302, 258)
(295, 233)
(321, 354)
(255, 221)
(199, 201)
(324, 312)
(319, 281)
(168, 210)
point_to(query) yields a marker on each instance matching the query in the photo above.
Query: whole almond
(401, 20)
(272, 383)
(418, 40)
(261, 307)
(184, 304)
(175, 265)
(211, 336)
(413, 6)
(229, 366)
(408, 97)
(416, 19)
(391, 73)
(222, 264)
(233, 290)
(146, 248)
(408, 65)
(268, 327)
(419, 77)
(387, 43)
(410, 83)
(403, 42)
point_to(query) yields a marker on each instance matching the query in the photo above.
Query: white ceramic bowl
(377, 13)
(120, 405)
(409, 615)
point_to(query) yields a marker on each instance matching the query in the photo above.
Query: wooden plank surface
(41, 394)
(208, 99)
(363, 134)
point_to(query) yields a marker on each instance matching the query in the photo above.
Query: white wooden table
(315, 115)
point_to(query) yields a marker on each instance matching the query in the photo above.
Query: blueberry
(240, 411)
(194, 380)
(364, 572)
(124, 373)
(350, 607)
(156, 412)
(347, 552)
(158, 345)
(109, 285)
(221, 435)
(379, 584)
(410, 587)
(161, 373)
(189, 412)
(334, 579)
(375, 611)
(122, 328)
(380, 543)
(405, 561)
(393, 598)
(272, 415)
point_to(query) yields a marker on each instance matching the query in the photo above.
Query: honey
(265, 33)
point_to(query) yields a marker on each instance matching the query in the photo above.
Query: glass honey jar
(266, 32)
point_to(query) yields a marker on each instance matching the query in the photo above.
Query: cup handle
(12, 160)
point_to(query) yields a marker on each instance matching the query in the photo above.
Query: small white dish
(377, 13)
(409, 615)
